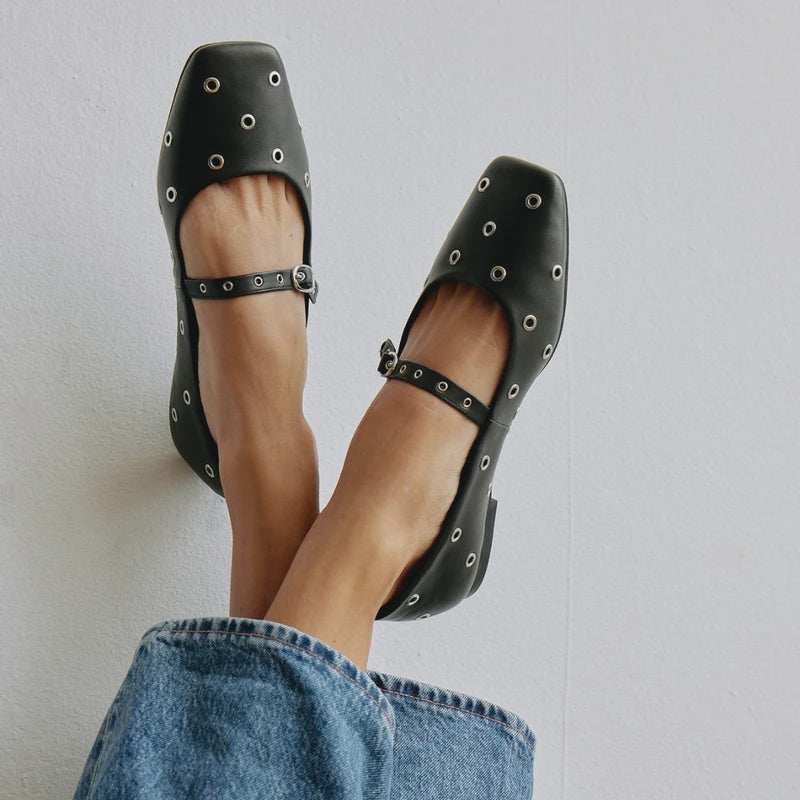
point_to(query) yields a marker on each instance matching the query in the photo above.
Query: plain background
(641, 610)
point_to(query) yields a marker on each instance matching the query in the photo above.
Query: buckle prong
(300, 274)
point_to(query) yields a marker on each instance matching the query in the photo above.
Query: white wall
(641, 607)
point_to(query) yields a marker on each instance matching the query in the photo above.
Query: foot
(410, 447)
(252, 357)
(399, 478)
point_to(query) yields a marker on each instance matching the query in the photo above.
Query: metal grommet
(275, 78)
(301, 276)
(180, 327)
(248, 122)
(466, 402)
(423, 616)
(485, 461)
(172, 194)
(483, 184)
(167, 138)
(442, 386)
(227, 286)
(455, 535)
(174, 415)
(498, 274)
(403, 368)
(209, 471)
(211, 85)
(203, 288)
(186, 397)
(413, 599)
(489, 228)
(279, 278)
(418, 373)
(307, 180)
(533, 201)
(557, 272)
(513, 391)
(471, 559)
(529, 323)
(216, 161)
(454, 256)
(277, 155)
(258, 280)
(548, 351)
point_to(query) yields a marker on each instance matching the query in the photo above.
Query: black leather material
(390, 366)
(509, 240)
(232, 115)
(300, 278)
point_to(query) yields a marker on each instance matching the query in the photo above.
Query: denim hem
(277, 634)
(450, 700)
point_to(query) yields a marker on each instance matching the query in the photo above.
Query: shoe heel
(491, 513)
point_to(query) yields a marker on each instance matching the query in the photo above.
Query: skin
(324, 573)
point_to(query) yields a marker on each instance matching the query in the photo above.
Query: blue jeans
(241, 708)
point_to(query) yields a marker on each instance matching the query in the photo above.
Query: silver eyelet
(227, 286)
(211, 85)
(167, 138)
(471, 559)
(203, 288)
(498, 274)
(279, 278)
(172, 194)
(424, 616)
(513, 391)
(557, 272)
(533, 201)
(275, 78)
(403, 368)
(442, 386)
(485, 461)
(418, 373)
(483, 184)
(529, 323)
(180, 327)
(548, 351)
(216, 161)
(277, 155)
(258, 280)
(209, 471)
(174, 415)
(455, 535)
(301, 276)
(454, 256)
(307, 180)
(466, 402)
(413, 599)
(489, 228)
(186, 397)
(248, 122)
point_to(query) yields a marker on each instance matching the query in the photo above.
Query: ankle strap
(300, 277)
(390, 366)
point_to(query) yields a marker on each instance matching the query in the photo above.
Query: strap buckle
(388, 362)
(303, 280)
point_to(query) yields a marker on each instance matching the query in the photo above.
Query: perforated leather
(511, 241)
(232, 115)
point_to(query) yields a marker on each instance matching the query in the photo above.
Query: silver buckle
(389, 359)
(301, 272)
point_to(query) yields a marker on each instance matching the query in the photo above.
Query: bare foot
(252, 369)
(399, 478)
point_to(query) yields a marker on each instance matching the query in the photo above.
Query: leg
(399, 478)
(252, 369)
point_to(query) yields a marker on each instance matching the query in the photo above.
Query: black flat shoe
(232, 115)
(511, 241)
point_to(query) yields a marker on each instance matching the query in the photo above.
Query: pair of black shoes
(233, 115)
